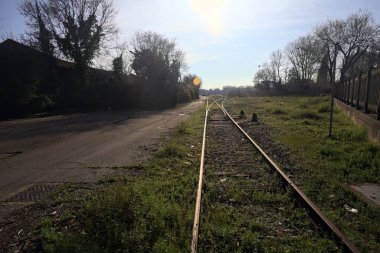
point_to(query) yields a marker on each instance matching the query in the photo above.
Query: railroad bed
(246, 207)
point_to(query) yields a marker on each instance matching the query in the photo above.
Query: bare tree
(38, 36)
(347, 41)
(267, 72)
(359, 35)
(276, 63)
(304, 56)
(331, 34)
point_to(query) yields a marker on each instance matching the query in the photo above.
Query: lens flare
(197, 81)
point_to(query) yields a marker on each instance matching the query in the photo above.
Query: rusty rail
(198, 201)
(315, 212)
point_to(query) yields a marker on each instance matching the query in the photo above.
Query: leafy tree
(194, 83)
(158, 64)
(118, 66)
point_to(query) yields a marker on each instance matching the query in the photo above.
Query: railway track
(249, 204)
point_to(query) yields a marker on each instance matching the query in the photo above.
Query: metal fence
(362, 91)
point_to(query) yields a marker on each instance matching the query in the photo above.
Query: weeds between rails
(244, 207)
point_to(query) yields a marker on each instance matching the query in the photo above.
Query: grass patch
(324, 109)
(149, 213)
(307, 115)
(326, 166)
(279, 111)
(172, 150)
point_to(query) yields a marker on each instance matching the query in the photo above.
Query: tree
(347, 41)
(194, 82)
(38, 36)
(304, 57)
(267, 72)
(159, 65)
(330, 35)
(323, 71)
(118, 66)
(359, 35)
(78, 27)
(276, 63)
(270, 71)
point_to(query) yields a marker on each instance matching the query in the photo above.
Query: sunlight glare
(210, 11)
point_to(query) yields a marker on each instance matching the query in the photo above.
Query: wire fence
(362, 91)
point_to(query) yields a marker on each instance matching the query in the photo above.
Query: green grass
(327, 165)
(149, 213)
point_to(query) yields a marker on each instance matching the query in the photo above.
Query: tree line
(337, 49)
(334, 50)
(149, 70)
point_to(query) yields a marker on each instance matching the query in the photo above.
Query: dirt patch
(19, 232)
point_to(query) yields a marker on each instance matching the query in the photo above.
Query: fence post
(348, 91)
(352, 91)
(343, 91)
(367, 90)
(340, 91)
(358, 96)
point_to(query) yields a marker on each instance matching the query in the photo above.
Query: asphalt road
(80, 147)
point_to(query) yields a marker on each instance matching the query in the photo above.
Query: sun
(210, 11)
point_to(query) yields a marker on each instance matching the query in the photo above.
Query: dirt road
(80, 147)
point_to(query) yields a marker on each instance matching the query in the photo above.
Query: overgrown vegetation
(33, 80)
(324, 166)
(149, 213)
(244, 208)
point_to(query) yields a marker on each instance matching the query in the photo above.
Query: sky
(224, 40)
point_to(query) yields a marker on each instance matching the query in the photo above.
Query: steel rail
(198, 201)
(194, 241)
(316, 213)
